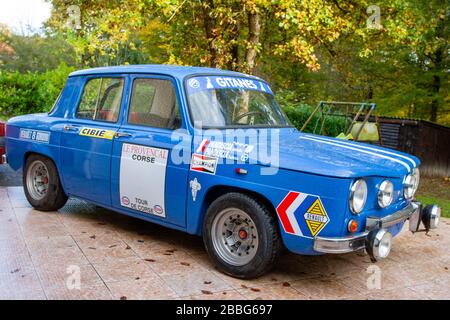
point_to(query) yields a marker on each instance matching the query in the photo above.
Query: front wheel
(241, 236)
(41, 184)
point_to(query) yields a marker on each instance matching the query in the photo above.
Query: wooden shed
(428, 141)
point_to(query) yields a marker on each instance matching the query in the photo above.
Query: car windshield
(217, 102)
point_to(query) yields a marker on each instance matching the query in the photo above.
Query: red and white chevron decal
(286, 210)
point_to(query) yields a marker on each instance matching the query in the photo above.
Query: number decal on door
(143, 178)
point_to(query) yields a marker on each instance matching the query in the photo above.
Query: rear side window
(101, 99)
(154, 104)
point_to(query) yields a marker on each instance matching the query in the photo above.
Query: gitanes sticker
(219, 82)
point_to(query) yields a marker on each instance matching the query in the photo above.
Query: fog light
(430, 216)
(378, 244)
(352, 226)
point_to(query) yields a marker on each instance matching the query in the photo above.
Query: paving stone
(119, 257)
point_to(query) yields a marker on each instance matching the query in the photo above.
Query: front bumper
(358, 242)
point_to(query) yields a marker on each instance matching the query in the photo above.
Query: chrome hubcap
(37, 180)
(234, 236)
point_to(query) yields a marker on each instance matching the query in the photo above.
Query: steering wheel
(245, 114)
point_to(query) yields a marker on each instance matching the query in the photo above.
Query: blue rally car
(210, 152)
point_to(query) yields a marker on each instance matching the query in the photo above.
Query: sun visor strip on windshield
(220, 82)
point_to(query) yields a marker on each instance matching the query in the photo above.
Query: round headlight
(358, 196)
(385, 193)
(411, 183)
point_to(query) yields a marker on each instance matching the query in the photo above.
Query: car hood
(323, 155)
(341, 158)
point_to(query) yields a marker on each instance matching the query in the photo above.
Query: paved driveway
(9, 177)
(84, 252)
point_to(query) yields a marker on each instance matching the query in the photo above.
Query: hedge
(22, 93)
(299, 113)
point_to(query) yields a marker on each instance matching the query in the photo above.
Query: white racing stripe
(367, 148)
(360, 150)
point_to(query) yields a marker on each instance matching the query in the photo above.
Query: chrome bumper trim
(390, 220)
(3, 160)
(357, 242)
(340, 245)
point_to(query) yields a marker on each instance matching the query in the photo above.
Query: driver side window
(101, 99)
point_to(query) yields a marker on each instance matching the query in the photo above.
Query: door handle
(122, 135)
(69, 127)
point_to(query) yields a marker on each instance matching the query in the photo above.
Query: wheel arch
(218, 190)
(32, 152)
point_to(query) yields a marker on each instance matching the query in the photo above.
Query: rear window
(101, 99)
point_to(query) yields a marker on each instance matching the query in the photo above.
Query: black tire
(55, 198)
(269, 243)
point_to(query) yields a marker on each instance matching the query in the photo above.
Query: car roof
(172, 70)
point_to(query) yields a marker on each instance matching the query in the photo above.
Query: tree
(30, 53)
(317, 49)
(218, 33)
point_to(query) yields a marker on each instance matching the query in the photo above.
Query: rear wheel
(42, 185)
(241, 236)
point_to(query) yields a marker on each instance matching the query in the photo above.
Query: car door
(147, 180)
(87, 139)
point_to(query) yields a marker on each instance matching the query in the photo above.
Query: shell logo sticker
(316, 217)
(97, 133)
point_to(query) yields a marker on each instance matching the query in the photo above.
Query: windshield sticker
(202, 163)
(219, 82)
(149, 164)
(35, 135)
(225, 150)
(296, 205)
(97, 133)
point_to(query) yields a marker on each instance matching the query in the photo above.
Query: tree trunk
(369, 93)
(435, 102)
(438, 67)
(209, 25)
(235, 32)
(254, 31)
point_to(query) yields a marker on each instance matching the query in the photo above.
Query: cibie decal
(302, 214)
(143, 178)
(35, 135)
(195, 187)
(97, 133)
(203, 163)
(316, 217)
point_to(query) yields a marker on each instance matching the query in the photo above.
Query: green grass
(441, 202)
